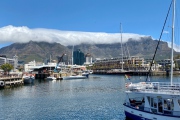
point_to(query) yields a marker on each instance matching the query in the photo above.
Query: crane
(59, 60)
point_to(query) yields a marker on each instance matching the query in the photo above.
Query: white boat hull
(74, 77)
(136, 114)
(50, 78)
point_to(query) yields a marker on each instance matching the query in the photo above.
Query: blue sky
(142, 17)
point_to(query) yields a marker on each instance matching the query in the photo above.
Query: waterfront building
(30, 66)
(129, 63)
(39, 67)
(166, 63)
(13, 61)
(78, 57)
(88, 59)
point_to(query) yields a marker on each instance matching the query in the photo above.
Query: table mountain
(40, 51)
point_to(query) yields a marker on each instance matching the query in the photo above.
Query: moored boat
(50, 78)
(74, 77)
(28, 78)
(154, 100)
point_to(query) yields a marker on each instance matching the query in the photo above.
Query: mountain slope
(143, 48)
(38, 51)
(41, 51)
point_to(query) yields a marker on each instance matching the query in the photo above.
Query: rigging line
(159, 40)
(177, 37)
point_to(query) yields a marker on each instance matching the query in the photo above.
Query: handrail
(163, 87)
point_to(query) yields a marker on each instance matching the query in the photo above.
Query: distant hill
(143, 48)
(40, 51)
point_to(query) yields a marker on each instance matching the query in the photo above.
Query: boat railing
(153, 110)
(164, 87)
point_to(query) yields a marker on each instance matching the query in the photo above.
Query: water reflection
(99, 97)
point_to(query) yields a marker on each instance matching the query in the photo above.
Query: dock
(58, 76)
(142, 73)
(7, 82)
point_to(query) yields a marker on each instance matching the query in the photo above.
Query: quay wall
(142, 73)
(9, 82)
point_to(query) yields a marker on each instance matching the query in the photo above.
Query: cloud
(24, 34)
(166, 32)
(175, 46)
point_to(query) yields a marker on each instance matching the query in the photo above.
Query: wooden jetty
(7, 82)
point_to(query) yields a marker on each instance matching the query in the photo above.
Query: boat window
(155, 102)
(160, 105)
(165, 104)
(152, 102)
(136, 101)
(148, 99)
(168, 104)
(179, 101)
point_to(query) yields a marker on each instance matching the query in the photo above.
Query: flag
(127, 77)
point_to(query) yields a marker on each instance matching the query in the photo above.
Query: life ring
(1, 83)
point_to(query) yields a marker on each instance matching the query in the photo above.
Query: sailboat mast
(72, 54)
(172, 42)
(121, 46)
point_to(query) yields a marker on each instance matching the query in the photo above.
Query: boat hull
(135, 114)
(50, 78)
(74, 77)
(28, 80)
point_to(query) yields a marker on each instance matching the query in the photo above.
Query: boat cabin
(162, 98)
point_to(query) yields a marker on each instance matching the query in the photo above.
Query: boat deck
(154, 87)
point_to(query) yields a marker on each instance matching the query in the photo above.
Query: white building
(33, 65)
(30, 66)
(13, 61)
(88, 59)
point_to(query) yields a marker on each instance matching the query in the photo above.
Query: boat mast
(72, 54)
(50, 63)
(172, 42)
(121, 45)
(72, 59)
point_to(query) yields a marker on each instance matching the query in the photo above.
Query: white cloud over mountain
(24, 34)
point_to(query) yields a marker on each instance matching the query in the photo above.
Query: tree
(6, 67)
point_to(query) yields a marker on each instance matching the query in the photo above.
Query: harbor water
(100, 97)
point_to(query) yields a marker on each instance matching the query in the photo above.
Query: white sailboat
(154, 100)
(71, 77)
(51, 77)
(122, 61)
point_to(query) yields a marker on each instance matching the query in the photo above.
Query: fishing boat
(154, 100)
(28, 78)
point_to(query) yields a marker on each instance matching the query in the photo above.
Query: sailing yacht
(154, 100)
(72, 77)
